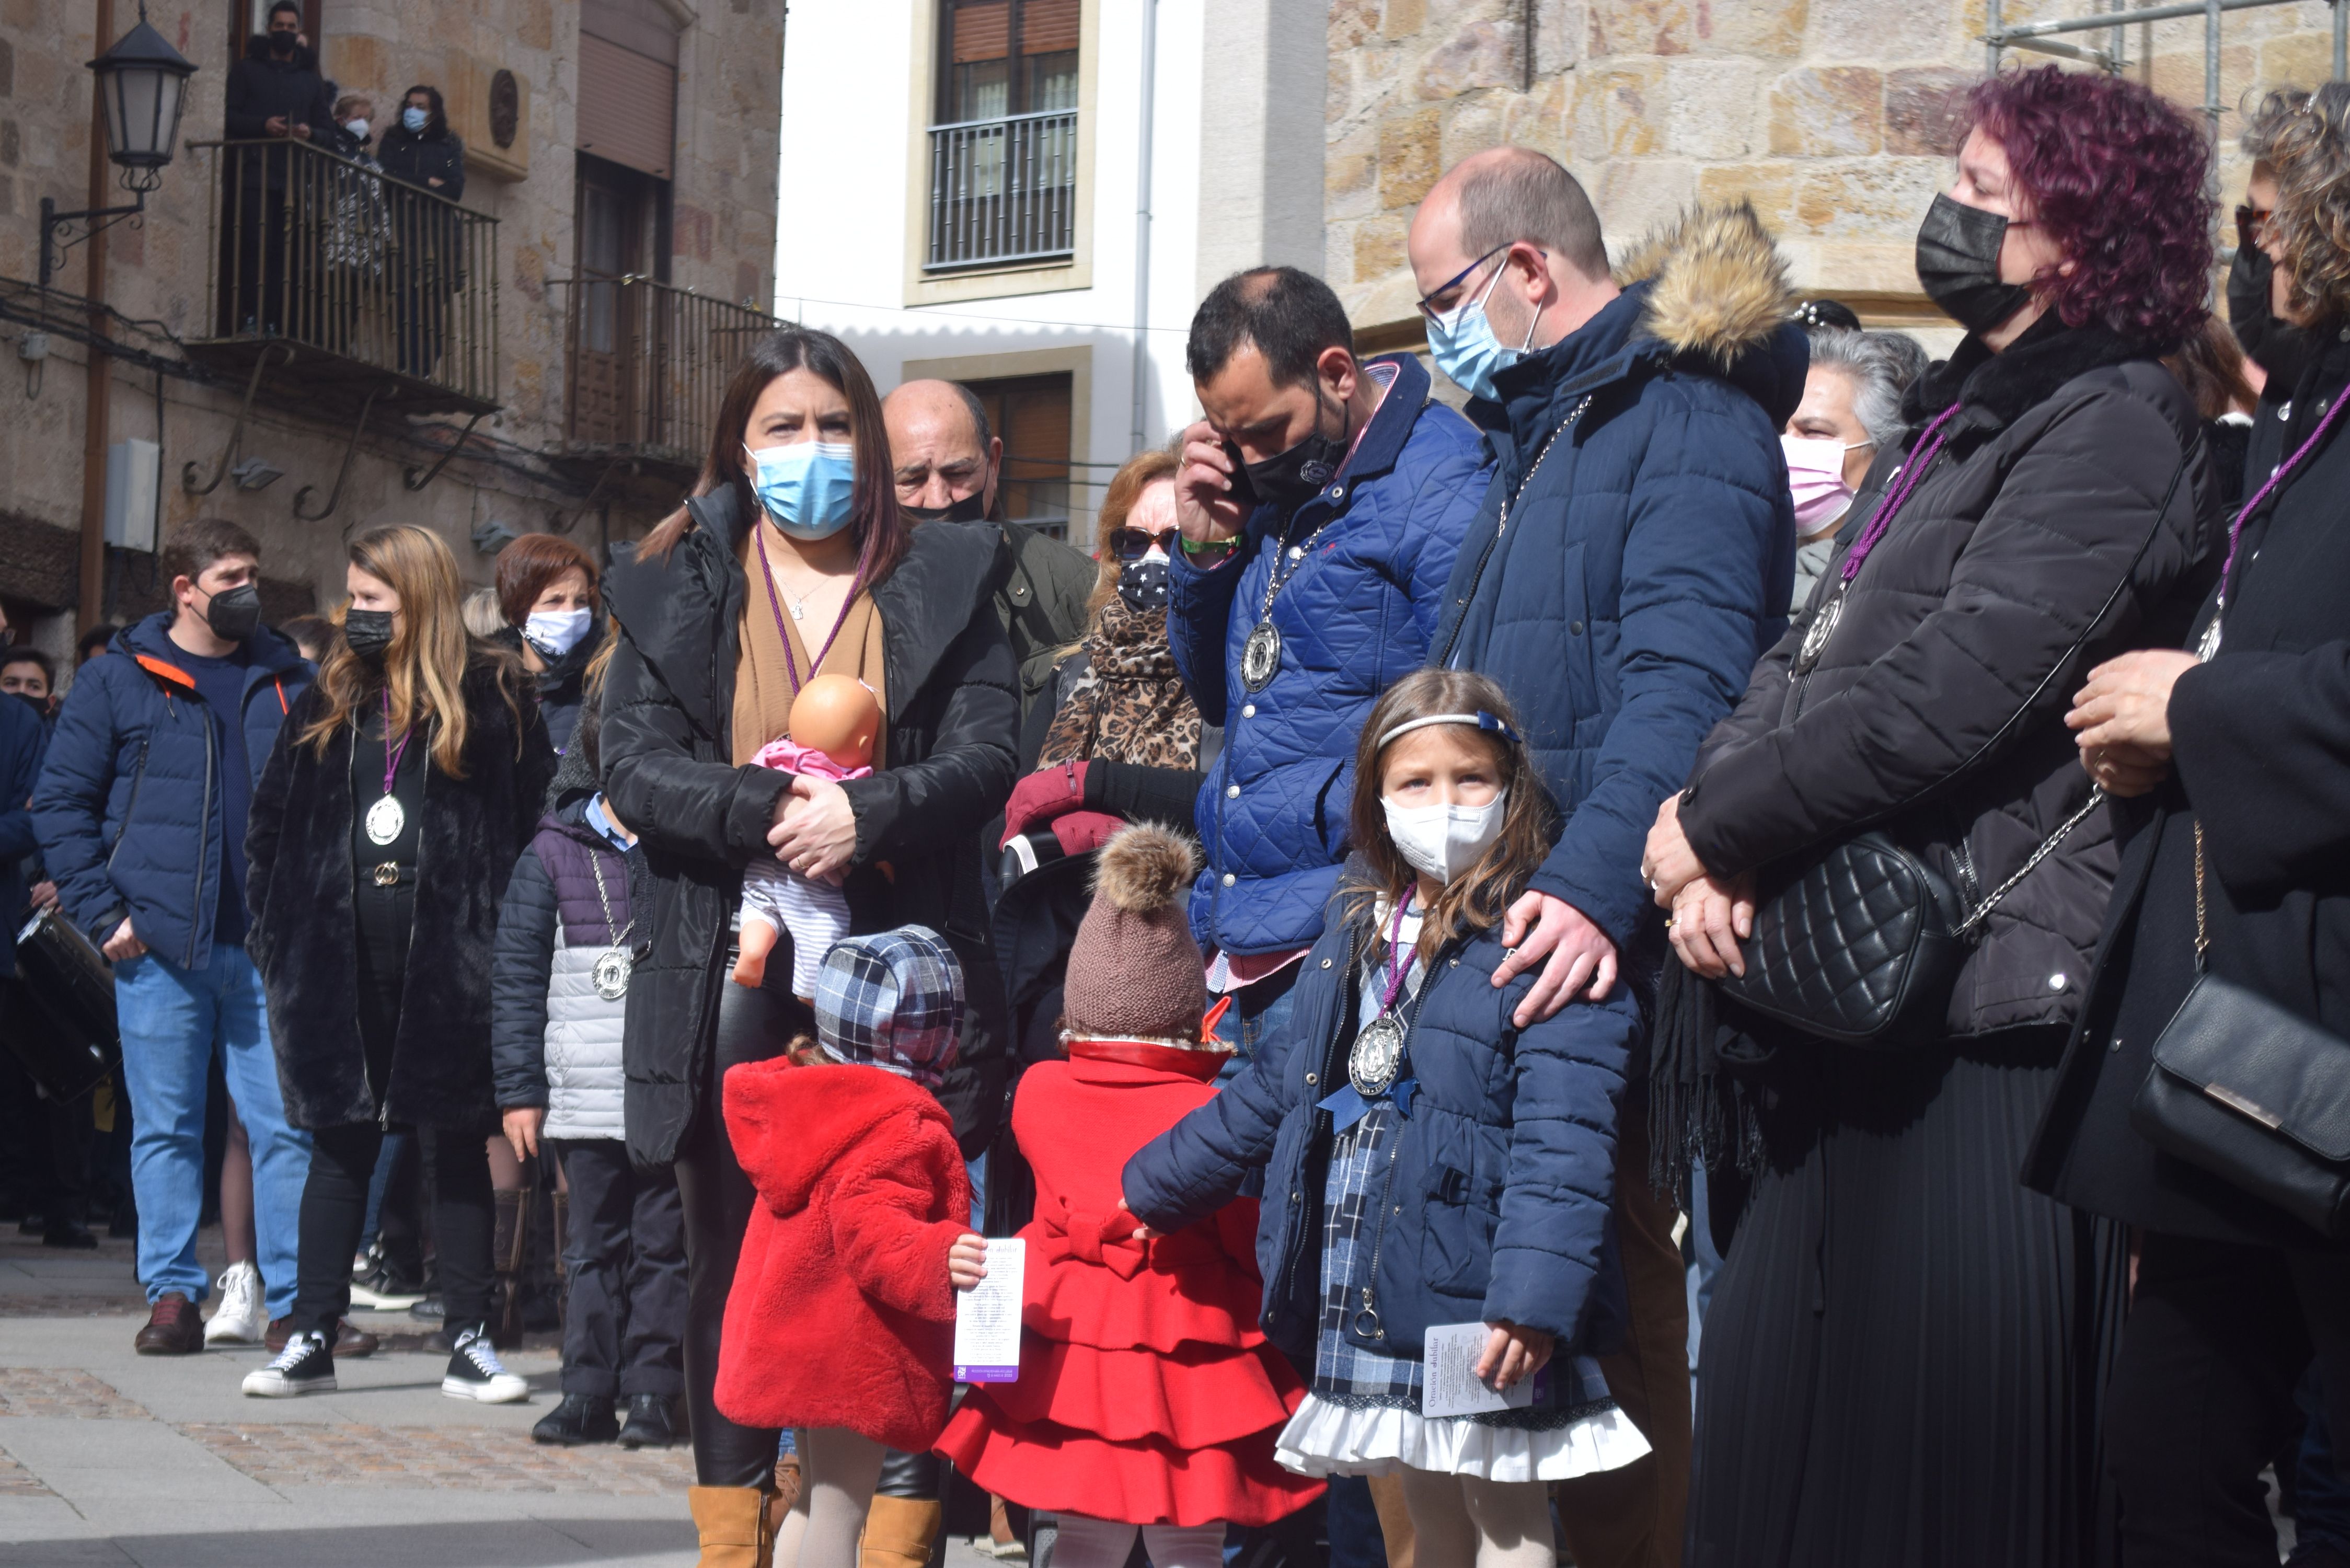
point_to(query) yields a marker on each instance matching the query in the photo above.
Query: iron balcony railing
(313, 250)
(647, 365)
(1004, 190)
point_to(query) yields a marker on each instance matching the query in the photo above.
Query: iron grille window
(1003, 165)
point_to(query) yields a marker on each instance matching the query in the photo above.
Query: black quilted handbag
(1862, 945)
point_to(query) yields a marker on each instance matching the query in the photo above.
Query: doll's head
(838, 715)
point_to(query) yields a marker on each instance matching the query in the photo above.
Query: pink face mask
(1815, 475)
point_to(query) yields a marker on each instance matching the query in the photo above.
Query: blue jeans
(173, 1021)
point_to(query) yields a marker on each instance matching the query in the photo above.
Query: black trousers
(753, 1025)
(624, 1275)
(2218, 1338)
(333, 1211)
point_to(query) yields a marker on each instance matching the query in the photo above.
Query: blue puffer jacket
(1649, 558)
(1354, 618)
(1497, 1202)
(129, 809)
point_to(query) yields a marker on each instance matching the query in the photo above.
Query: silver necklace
(611, 971)
(1261, 655)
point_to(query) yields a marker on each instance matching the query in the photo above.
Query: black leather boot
(652, 1422)
(580, 1418)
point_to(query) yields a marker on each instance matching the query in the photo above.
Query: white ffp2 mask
(1443, 841)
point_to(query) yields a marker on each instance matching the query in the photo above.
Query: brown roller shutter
(1048, 26)
(982, 32)
(627, 106)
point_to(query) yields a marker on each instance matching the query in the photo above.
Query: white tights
(1457, 1521)
(839, 1470)
(1103, 1544)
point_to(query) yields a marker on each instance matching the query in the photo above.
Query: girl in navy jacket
(1425, 1162)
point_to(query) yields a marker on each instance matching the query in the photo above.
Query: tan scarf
(762, 684)
(1129, 705)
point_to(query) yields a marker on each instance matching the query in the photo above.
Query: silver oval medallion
(611, 975)
(1816, 635)
(1261, 656)
(1377, 1056)
(384, 820)
(2208, 645)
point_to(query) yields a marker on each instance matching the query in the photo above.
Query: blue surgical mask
(1461, 340)
(415, 119)
(809, 488)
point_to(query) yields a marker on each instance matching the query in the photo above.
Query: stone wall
(723, 243)
(1831, 115)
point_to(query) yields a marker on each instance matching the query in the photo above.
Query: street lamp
(142, 85)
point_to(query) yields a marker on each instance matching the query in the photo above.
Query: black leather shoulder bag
(2255, 1095)
(1862, 945)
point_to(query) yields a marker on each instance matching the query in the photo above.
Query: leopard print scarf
(1129, 705)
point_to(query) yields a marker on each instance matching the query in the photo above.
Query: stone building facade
(701, 176)
(1831, 116)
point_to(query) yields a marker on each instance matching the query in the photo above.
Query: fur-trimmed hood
(1715, 298)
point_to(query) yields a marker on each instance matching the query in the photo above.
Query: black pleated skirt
(1906, 1350)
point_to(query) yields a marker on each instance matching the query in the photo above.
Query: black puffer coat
(2071, 515)
(667, 717)
(2259, 736)
(304, 936)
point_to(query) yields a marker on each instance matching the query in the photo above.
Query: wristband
(1220, 548)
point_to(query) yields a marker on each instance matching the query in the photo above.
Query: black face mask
(281, 43)
(1291, 478)
(1958, 265)
(369, 632)
(235, 612)
(2249, 316)
(970, 509)
(1143, 585)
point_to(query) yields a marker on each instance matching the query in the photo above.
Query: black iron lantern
(143, 83)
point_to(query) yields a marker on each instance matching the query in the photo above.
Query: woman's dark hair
(2115, 176)
(1479, 897)
(2211, 365)
(531, 565)
(879, 531)
(438, 122)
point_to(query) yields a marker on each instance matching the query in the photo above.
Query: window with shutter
(1032, 415)
(1003, 153)
(627, 84)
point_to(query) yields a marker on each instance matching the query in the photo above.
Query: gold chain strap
(2202, 929)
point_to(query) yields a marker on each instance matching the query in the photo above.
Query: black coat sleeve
(941, 801)
(677, 803)
(521, 966)
(2262, 741)
(1140, 794)
(246, 115)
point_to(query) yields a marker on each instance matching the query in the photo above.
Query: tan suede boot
(733, 1524)
(900, 1530)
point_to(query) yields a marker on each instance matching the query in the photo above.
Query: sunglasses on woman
(2249, 222)
(1133, 543)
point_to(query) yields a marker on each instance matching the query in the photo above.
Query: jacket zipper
(210, 761)
(130, 807)
(1329, 1044)
(1444, 659)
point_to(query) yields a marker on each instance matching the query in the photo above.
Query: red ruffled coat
(1146, 1393)
(841, 1313)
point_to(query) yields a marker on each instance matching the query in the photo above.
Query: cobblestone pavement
(479, 1459)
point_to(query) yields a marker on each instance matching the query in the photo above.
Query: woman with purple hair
(1906, 1349)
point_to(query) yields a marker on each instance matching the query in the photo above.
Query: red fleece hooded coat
(1146, 1394)
(841, 1314)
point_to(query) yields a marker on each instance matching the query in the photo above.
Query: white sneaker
(307, 1366)
(476, 1372)
(241, 1318)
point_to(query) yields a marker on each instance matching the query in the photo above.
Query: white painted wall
(842, 245)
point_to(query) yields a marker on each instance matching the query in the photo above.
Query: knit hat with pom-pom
(1135, 972)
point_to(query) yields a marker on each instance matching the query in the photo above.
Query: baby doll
(1148, 1397)
(841, 1318)
(835, 721)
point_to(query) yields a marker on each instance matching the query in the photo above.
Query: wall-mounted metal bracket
(418, 478)
(335, 496)
(188, 470)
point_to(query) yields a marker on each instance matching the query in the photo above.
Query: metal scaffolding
(2042, 38)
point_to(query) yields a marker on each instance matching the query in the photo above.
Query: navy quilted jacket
(1357, 613)
(129, 805)
(1497, 1202)
(1648, 557)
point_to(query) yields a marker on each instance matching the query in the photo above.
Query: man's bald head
(1510, 193)
(940, 449)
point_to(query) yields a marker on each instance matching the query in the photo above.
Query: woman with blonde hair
(403, 789)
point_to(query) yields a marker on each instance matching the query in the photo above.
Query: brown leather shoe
(173, 1328)
(351, 1342)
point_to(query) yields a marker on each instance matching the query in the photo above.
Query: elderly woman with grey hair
(1851, 407)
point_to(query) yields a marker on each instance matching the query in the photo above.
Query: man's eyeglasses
(1133, 543)
(2251, 222)
(1436, 313)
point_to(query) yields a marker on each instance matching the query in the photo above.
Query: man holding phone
(1322, 502)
